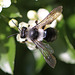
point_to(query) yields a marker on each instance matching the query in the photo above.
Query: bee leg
(36, 22)
(28, 25)
(43, 27)
(36, 47)
(24, 41)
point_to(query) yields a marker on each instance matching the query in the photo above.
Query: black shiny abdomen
(23, 31)
(33, 34)
(50, 34)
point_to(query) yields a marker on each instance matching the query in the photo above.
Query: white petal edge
(0, 8)
(19, 39)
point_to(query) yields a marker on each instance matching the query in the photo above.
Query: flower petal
(60, 17)
(53, 24)
(19, 39)
(23, 24)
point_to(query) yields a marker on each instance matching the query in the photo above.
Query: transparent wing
(50, 17)
(48, 47)
(47, 53)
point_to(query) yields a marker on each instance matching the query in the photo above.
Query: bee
(38, 33)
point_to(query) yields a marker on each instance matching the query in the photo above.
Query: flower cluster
(33, 16)
(4, 4)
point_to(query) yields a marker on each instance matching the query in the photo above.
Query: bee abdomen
(50, 34)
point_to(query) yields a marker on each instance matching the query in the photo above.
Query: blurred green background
(17, 59)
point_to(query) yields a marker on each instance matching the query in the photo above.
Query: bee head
(23, 32)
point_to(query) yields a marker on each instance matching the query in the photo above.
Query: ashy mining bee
(37, 34)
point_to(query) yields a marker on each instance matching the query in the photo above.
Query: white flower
(66, 56)
(13, 23)
(4, 4)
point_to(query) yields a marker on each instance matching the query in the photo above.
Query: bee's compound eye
(23, 32)
(23, 36)
(33, 34)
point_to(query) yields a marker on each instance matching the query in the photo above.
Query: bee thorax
(33, 34)
(36, 34)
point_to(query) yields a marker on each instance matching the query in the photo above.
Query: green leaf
(11, 12)
(71, 21)
(7, 48)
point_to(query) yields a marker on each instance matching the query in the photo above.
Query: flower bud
(13, 23)
(32, 14)
(42, 13)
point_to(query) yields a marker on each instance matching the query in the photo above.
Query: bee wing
(47, 54)
(50, 17)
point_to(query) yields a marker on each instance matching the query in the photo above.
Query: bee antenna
(16, 25)
(12, 35)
